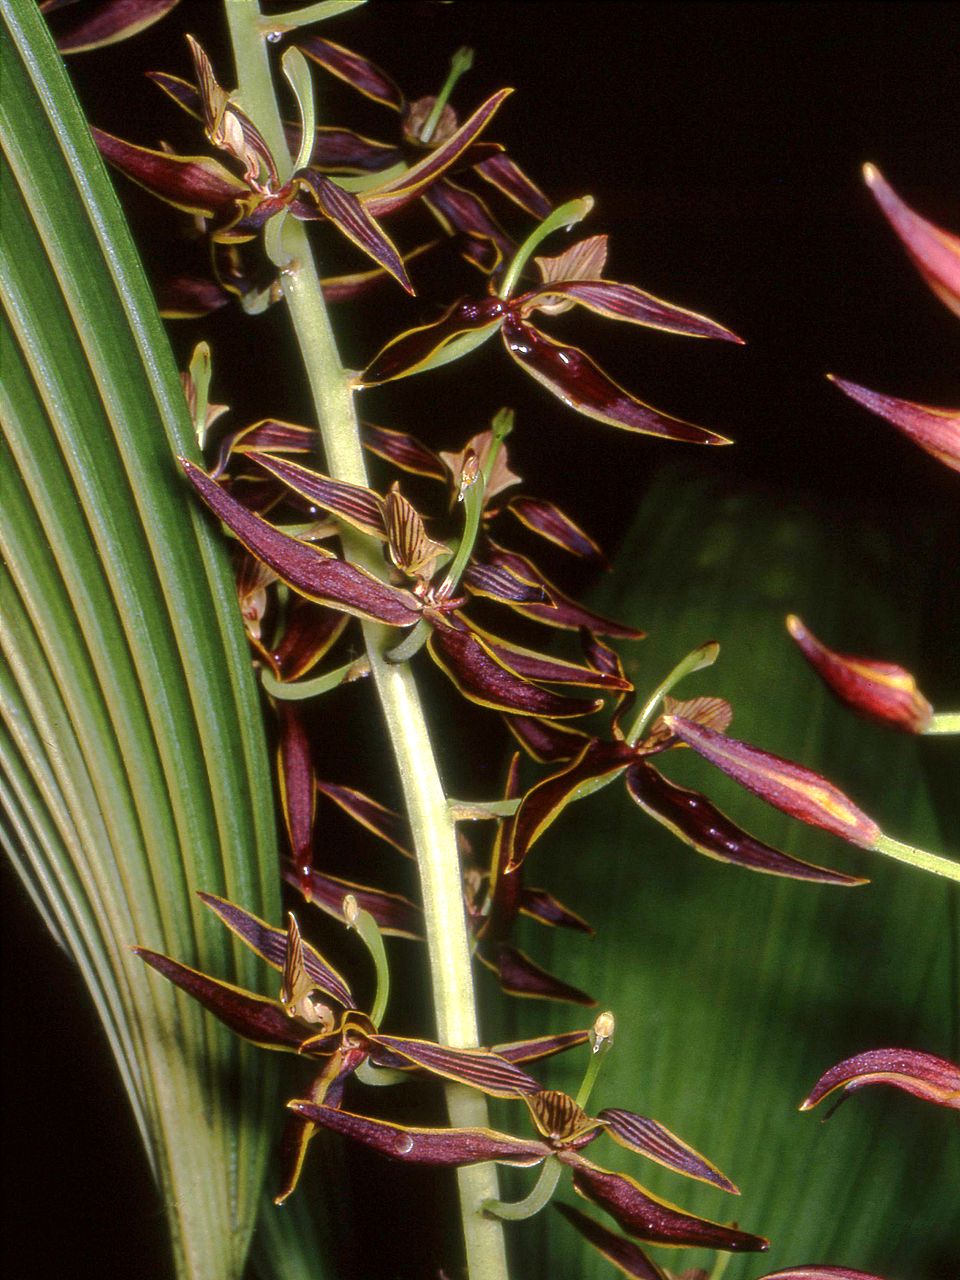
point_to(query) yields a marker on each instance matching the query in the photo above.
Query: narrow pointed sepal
(518, 975)
(572, 377)
(394, 914)
(403, 450)
(399, 191)
(558, 609)
(109, 21)
(270, 944)
(483, 678)
(194, 184)
(385, 823)
(627, 302)
(450, 1148)
(357, 505)
(544, 802)
(255, 1018)
(935, 430)
(879, 690)
(546, 909)
(649, 1138)
(699, 823)
(315, 574)
(356, 70)
(790, 787)
(627, 1257)
(464, 326)
(647, 1217)
(542, 1046)
(935, 252)
(545, 741)
(546, 519)
(478, 1068)
(351, 216)
(922, 1074)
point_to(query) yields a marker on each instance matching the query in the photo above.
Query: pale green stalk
(944, 722)
(914, 857)
(433, 828)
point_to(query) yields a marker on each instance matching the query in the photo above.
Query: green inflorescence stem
(432, 826)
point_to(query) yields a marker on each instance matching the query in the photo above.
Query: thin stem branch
(432, 827)
(915, 857)
(944, 722)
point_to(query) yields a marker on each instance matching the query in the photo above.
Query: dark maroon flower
(564, 1129)
(565, 371)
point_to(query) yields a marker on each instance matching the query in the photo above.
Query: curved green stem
(372, 939)
(543, 1189)
(914, 857)
(298, 690)
(705, 655)
(568, 215)
(433, 828)
(461, 62)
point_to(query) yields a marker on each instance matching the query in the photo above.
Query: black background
(723, 145)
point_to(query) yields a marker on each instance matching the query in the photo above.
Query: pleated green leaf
(733, 991)
(133, 769)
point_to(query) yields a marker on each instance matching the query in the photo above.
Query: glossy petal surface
(935, 252)
(698, 822)
(621, 1253)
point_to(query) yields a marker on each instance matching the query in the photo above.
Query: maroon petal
(270, 944)
(800, 792)
(507, 177)
(195, 184)
(878, 690)
(182, 92)
(545, 802)
(819, 1273)
(478, 1068)
(546, 909)
(313, 573)
(269, 435)
(451, 1148)
(626, 302)
(540, 666)
(624, 1254)
(500, 582)
(571, 375)
(190, 297)
(402, 450)
(354, 503)
(541, 1047)
(546, 741)
(355, 70)
(351, 216)
(935, 430)
(383, 822)
(249, 1015)
(550, 522)
(408, 186)
(460, 212)
(698, 822)
(343, 151)
(327, 1088)
(417, 349)
(922, 1074)
(482, 678)
(110, 21)
(561, 611)
(654, 1140)
(935, 252)
(297, 794)
(357, 284)
(647, 1217)
(309, 633)
(518, 975)
(394, 914)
